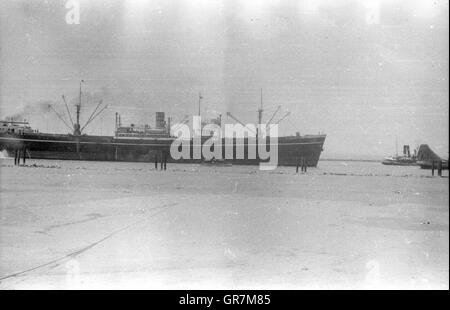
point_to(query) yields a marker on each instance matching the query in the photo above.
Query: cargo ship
(139, 143)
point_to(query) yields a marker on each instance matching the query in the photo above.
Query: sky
(366, 73)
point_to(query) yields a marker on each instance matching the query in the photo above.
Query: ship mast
(79, 106)
(199, 100)
(77, 129)
(260, 112)
(396, 146)
(76, 126)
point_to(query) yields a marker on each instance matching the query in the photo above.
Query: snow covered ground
(76, 225)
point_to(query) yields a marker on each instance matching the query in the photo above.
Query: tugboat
(402, 160)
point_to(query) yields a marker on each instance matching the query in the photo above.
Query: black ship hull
(291, 149)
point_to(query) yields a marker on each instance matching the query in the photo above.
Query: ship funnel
(160, 120)
(406, 151)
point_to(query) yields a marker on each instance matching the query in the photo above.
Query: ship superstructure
(160, 130)
(15, 127)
